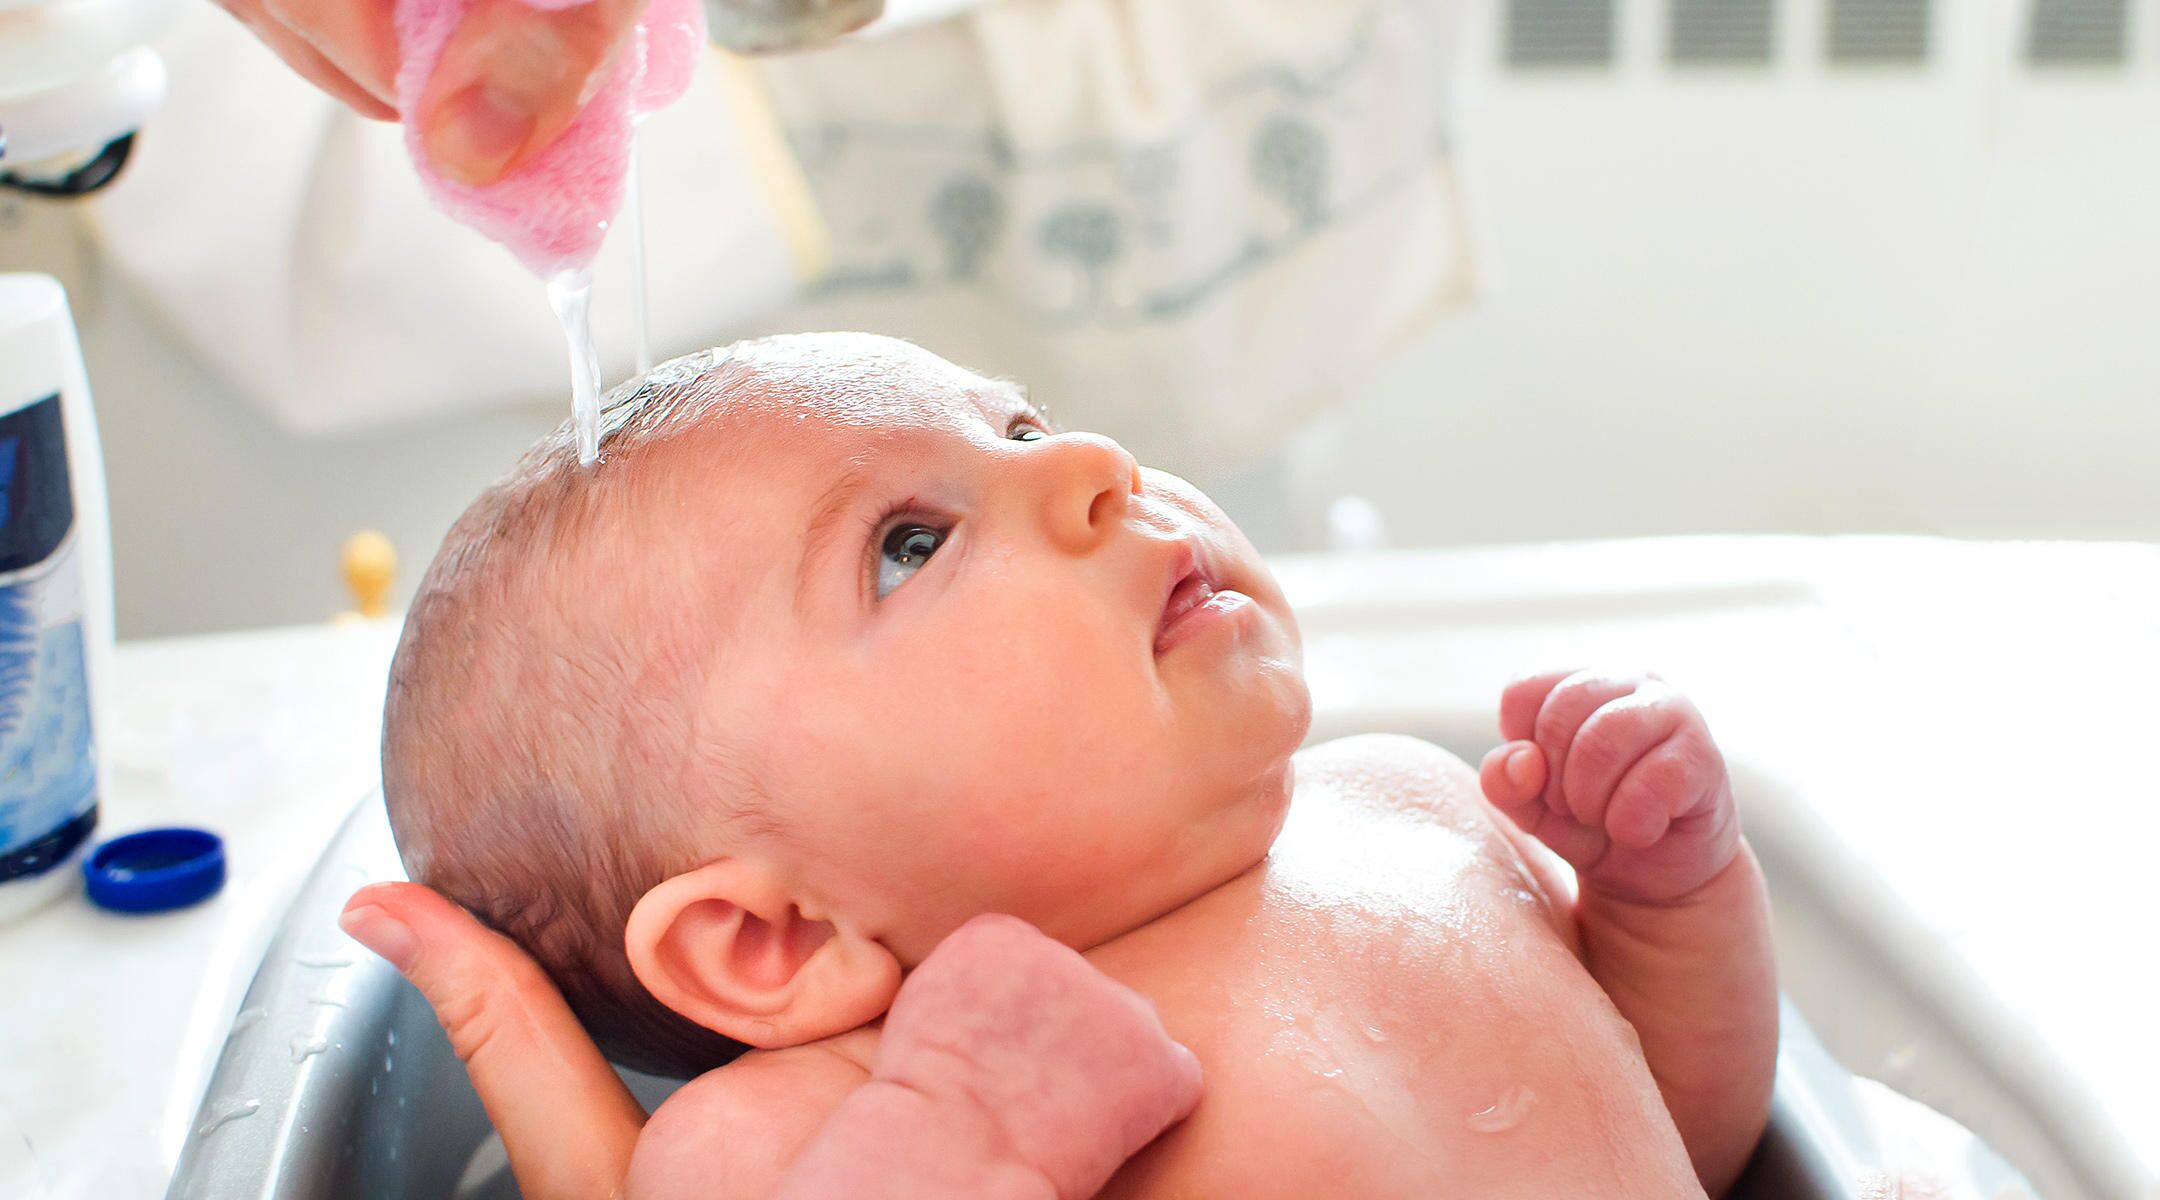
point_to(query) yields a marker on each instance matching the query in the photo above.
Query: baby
(841, 646)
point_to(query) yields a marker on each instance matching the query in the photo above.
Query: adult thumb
(565, 1117)
(513, 77)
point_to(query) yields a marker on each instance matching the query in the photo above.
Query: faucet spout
(764, 26)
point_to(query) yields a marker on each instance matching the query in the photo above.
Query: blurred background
(1809, 266)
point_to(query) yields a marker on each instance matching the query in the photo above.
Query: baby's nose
(1088, 481)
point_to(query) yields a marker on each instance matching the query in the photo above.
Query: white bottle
(56, 622)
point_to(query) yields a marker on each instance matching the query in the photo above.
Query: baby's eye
(1024, 430)
(905, 549)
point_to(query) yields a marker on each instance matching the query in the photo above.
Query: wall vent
(1865, 32)
(1720, 32)
(1560, 33)
(2079, 33)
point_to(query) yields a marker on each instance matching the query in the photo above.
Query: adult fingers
(354, 36)
(306, 60)
(566, 1119)
(512, 78)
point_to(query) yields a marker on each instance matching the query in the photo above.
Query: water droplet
(1505, 1113)
(373, 1085)
(319, 960)
(1900, 1061)
(246, 1017)
(225, 1114)
(305, 1047)
(1374, 1035)
(327, 1001)
(386, 1064)
(393, 1037)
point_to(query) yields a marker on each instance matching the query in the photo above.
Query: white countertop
(1972, 727)
(109, 1024)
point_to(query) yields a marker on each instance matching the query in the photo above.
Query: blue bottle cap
(156, 870)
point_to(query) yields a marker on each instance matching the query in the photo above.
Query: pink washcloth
(553, 210)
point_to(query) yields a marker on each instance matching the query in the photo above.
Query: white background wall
(1804, 298)
(1917, 298)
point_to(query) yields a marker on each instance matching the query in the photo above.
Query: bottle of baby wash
(56, 618)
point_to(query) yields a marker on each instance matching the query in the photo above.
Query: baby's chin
(1234, 840)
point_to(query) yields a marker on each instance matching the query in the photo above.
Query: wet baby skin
(976, 665)
(1389, 994)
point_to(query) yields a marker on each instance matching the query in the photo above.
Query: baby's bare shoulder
(735, 1131)
(1388, 773)
(1405, 779)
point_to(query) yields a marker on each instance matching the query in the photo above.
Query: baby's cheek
(1028, 851)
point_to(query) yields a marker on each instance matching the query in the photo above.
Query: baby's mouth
(1193, 597)
(1189, 593)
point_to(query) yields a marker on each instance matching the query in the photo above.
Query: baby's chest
(1369, 1014)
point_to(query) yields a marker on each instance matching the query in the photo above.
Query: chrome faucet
(757, 26)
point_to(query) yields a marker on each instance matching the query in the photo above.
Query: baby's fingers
(1612, 741)
(1561, 718)
(1521, 700)
(1681, 777)
(1513, 776)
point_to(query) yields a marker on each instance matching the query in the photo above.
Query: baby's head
(837, 647)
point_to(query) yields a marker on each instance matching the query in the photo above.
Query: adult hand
(565, 1117)
(509, 82)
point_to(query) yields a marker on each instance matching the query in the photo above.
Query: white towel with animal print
(1185, 223)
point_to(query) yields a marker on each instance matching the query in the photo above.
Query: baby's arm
(1618, 776)
(1008, 1069)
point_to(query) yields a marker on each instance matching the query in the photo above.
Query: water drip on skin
(1505, 1113)
(226, 1113)
(571, 294)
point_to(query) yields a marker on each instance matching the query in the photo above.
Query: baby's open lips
(1190, 589)
(1187, 594)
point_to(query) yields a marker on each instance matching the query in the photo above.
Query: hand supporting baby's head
(836, 648)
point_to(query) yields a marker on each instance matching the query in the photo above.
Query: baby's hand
(1619, 776)
(1073, 1069)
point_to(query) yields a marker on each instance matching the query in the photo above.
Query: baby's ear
(727, 947)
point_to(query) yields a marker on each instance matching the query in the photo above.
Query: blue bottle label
(48, 767)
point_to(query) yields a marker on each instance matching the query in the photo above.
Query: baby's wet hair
(541, 760)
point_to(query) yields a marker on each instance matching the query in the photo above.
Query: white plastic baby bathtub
(336, 1084)
(350, 1091)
